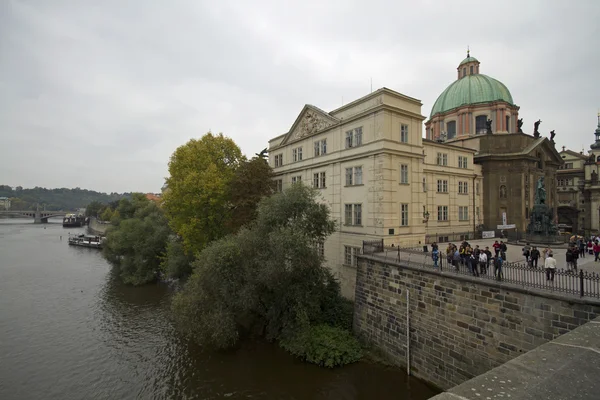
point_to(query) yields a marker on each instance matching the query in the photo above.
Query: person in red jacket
(596, 251)
(496, 247)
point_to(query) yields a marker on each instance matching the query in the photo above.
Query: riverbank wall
(96, 227)
(460, 326)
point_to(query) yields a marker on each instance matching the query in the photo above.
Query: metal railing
(372, 246)
(569, 281)
(451, 237)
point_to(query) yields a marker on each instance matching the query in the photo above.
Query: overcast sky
(98, 94)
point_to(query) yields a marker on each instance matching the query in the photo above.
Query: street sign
(510, 226)
(488, 234)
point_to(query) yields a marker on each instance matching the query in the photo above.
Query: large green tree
(267, 278)
(137, 241)
(197, 201)
(252, 181)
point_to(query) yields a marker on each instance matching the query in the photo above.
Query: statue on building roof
(536, 125)
(262, 154)
(519, 125)
(488, 126)
(552, 134)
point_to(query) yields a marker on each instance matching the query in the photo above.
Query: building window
(471, 70)
(278, 160)
(463, 187)
(320, 147)
(297, 154)
(442, 159)
(442, 213)
(451, 129)
(320, 246)
(464, 71)
(442, 186)
(404, 215)
(404, 133)
(319, 180)
(477, 188)
(354, 137)
(404, 173)
(350, 254)
(463, 213)
(462, 162)
(508, 123)
(353, 214)
(297, 179)
(481, 124)
(568, 165)
(354, 176)
(279, 185)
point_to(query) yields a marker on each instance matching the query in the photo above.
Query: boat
(73, 221)
(86, 241)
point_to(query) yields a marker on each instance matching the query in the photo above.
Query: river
(70, 330)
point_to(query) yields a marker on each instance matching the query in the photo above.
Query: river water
(70, 330)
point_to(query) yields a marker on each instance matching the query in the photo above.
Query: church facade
(478, 112)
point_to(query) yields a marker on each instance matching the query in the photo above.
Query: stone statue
(519, 125)
(536, 125)
(488, 126)
(540, 192)
(262, 154)
(552, 134)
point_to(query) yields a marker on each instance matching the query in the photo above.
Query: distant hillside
(55, 199)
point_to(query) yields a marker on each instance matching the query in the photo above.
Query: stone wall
(460, 326)
(97, 228)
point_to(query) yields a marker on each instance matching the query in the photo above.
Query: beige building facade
(591, 186)
(570, 181)
(380, 178)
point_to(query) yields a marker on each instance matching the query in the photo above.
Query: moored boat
(86, 241)
(73, 221)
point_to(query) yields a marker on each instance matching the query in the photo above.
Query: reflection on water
(69, 329)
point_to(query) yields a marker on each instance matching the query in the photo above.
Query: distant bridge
(39, 217)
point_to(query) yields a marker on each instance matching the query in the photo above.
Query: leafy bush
(176, 263)
(324, 345)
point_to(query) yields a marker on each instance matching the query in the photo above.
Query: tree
(138, 242)
(94, 209)
(107, 214)
(252, 181)
(267, 278)
(197, 200)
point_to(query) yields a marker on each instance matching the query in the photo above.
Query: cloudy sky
(98, 94)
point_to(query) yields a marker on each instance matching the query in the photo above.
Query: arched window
(480, 124)
(451, 129)
(598, 159)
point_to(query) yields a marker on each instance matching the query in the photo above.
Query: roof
(152, 197)
(471, 89)
(574, 154)
(468, 60)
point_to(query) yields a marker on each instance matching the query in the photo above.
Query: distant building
(4, 203)
(153, 197)
(591, 187)
(570, 181)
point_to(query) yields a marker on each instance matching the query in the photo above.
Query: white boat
(86, 241)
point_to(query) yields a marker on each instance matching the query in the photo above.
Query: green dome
(472, 89)
(468, 60)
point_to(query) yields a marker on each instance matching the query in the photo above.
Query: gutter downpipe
(407, 333)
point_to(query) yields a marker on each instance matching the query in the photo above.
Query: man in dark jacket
(534, 256)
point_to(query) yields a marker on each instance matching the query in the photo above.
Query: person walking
(483, 262)
(569, 257)
(488, 254)
(496, 247)
(550, 266)
(526, 252)
(575, 256)
(596, 249)
(498, 267)
(535, 255)
(581, 248)
(503, 249)
(435, 256)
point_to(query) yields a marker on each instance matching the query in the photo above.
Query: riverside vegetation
(249, 257)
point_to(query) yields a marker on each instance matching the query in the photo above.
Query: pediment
(310, 121)
(546, 147)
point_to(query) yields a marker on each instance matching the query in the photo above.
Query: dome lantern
(468, 66)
